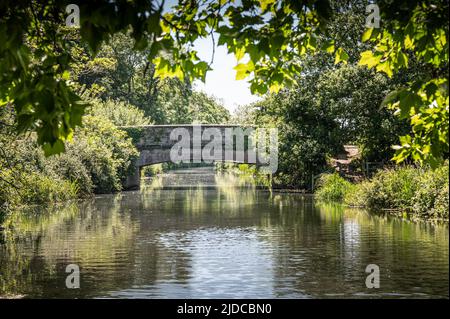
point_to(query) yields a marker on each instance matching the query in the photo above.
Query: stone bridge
(161, 143)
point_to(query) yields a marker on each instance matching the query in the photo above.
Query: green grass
(420, 191)
(332, 188)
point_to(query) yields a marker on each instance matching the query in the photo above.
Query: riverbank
(96, 160)
(421, 193)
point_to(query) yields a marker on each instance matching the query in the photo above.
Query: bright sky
(220, 82)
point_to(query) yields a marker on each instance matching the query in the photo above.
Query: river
(194, 234)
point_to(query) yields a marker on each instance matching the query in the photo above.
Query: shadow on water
(235, 242)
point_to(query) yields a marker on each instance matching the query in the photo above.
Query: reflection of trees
(39, 247)
(114, 240)
(329, 247)
(121, 242)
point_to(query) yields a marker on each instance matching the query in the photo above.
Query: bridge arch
(155, 142)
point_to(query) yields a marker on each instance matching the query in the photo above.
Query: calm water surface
(198, 242)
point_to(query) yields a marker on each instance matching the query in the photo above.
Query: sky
(220, 82)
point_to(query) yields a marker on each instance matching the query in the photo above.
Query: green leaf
(367, 34)
(390, 98)
(328, 46)
(265, 3)
(385, 67)
(243, 70)
(402, 59)
(369, 59)
(239, 53)
(52, 149)
(408, 101)
(341, 56)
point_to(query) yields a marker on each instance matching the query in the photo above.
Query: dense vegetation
(333, 105)
(327, 79)
(338, 104)
(98, 155)
(276, 36)
(421, 191)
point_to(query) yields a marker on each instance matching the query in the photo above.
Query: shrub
(393, 189)
(441, 204)
(152, 170)
(38, 188)
(70, 166)
(332, 188)
(421, 191)
(98, 159)
(119, 113)
(431, 198)
(34, 187)
(106, 151)
(357, 196)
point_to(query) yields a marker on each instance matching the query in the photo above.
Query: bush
(421, 191)
(332, 188)
(441, 204)
(152, 170)
(70, 166)
(38, 188)
(357, 195)
(431, 198)
(106, 151)
(33, 188)
(97, 160)
(392, 189)
(119, 113)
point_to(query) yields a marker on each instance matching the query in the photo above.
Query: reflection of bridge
(155, 143)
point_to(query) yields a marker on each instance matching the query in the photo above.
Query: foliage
(107, 153)
(422, 191)
(152, 170)
(40, 189)
(393, 188)
(332, 188)
(307, 133)
(120, 74)
(97, 159)
(271, 40)
(333, 105)
(331, 108)
(35, 188)
(416, 30)
(34, 63)
(179, 104)
(207, 109)
(245, 172)
(119, 113)
(172, 102)
(432, 196)
(354, 96)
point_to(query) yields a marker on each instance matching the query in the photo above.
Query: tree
(308, 133)
(353, 96)
(416, 31)
(273, 34)
(207, 109)
(119, 73)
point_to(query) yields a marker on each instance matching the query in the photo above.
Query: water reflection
(224, 242)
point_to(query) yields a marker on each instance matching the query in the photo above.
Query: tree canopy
(269, 38)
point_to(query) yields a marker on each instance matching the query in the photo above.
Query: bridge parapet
(159, 136)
